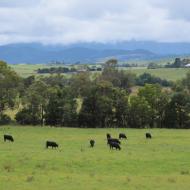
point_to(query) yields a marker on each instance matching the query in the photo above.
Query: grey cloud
(58, 21)
(18, 3)
(177, 9)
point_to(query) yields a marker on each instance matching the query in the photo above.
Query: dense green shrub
(24, 117)
(4, 119)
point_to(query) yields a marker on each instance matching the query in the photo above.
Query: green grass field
(172, 74)
(25, 70)
(161, 163)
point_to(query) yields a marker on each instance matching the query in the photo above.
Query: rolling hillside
(33, 53)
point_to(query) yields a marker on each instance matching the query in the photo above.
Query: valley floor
(160, 163)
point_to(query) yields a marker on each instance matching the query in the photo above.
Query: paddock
(162, 163)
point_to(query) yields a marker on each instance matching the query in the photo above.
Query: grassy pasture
(173, 74)
(161, 163)
(26, 70)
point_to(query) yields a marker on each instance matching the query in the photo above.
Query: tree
(140, 112)
(97, 106)
(178, 63)
(56, 81)
(153, 65)
(157, 100)
(36, 99)
(80, 84)
(120, 107)
(9, 85)
(28, 81)
(147, 78)
(61, 109)
(178, 111)
(24, 117)
(109, 71)
(118, 78)
(185, 83)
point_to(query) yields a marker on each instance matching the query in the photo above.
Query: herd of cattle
(113, 143)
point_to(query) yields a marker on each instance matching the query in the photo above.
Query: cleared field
(161, 163)
(25, 70)
(172, 74)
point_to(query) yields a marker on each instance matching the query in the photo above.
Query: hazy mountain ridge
(90, 52)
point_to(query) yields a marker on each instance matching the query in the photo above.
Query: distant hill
(90, 52)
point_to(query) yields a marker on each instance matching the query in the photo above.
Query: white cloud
(58, 21)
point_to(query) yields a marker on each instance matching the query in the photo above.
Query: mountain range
(33, 53)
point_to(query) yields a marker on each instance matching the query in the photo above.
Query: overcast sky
(70, 21)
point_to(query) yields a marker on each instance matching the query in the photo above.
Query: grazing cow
(113, 140)
(9, 138)
(92, 143)
(114, 145)
(51, 144)
(108, 136)
(122, 136)
(148, 136)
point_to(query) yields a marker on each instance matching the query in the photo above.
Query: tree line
(53, 70)
(59, 70)
(106, 100)
(178, 63)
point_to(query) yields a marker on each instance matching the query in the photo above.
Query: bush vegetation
(104, 101)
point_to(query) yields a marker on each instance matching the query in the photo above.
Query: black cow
(51, 144)
(108, 136)
(148, 136)
(114, 145)
(92, 143)
(122, 136)
(113, 140)
(9, 138)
